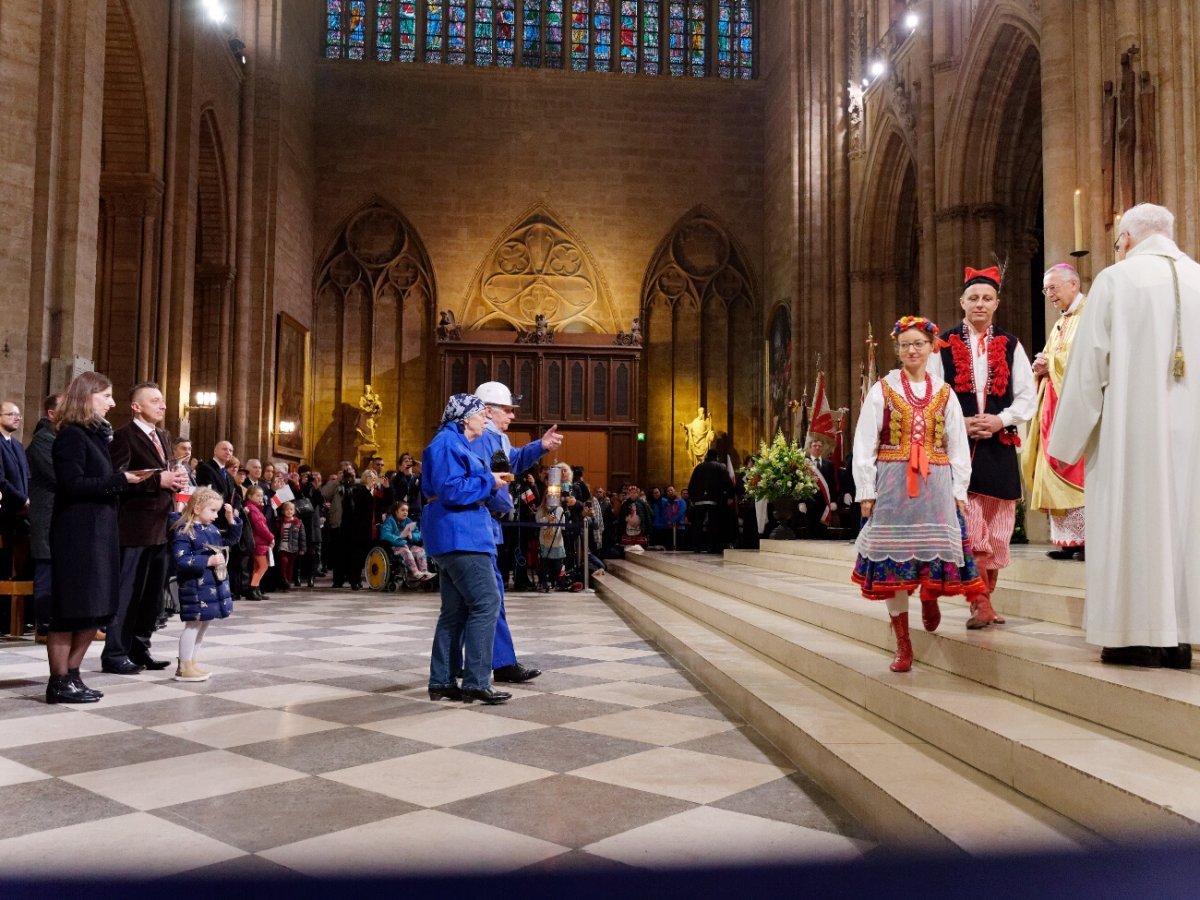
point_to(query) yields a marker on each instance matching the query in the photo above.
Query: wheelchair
(384, 571)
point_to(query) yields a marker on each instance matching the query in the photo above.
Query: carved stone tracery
(539, 269)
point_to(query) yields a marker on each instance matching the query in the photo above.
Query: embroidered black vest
(995, 471)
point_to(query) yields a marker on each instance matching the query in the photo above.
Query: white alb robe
(1139, 429)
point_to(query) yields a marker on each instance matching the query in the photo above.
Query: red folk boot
(982, 614)
(903, 660)
(931, 613)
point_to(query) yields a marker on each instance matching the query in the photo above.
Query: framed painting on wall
(291, 387)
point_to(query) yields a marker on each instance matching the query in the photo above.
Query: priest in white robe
(1131, 406)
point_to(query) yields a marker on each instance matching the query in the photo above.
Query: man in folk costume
(1056, 487)
(1132, 410)
(989, 371)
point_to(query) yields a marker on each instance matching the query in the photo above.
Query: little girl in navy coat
(200, 563)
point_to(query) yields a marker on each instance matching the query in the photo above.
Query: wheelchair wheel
(377, 570)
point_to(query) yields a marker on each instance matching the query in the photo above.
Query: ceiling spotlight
(911, 21)
(878, 68)
(215, 10)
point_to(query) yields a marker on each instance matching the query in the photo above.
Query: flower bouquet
(780, 471)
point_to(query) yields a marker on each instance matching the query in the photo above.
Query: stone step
(1029, 562)
(1061, 605)
(1040, 661)
(907, 792)
(1122, 789)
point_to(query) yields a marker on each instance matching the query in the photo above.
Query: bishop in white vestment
(1131, 406)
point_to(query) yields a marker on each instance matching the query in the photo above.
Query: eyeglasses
(1047, 291)
(1117, 242)
(915, 345)
(10, 415)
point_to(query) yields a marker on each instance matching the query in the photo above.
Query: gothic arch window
(697, 38)
(701, 321)
(374, 300)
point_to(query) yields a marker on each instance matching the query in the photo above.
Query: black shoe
(62, 689)
(487, 695)
(149, 662)
(1145, 657)
(1062, 553)
(515, 674)
(445, 692)
(121, 667)
(254, 594)
(356, 586)
(1177, 657)
(1079, 555)
(73, 674)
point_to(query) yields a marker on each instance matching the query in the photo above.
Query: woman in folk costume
(912, 466)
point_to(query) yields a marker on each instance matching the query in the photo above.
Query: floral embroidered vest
(995, 471)
(896, 435)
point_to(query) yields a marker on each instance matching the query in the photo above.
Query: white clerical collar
(1075, 304)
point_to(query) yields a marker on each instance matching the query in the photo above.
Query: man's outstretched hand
(551, 440)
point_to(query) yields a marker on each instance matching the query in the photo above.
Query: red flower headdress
(919, 323)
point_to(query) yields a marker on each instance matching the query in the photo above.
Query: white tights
(895, 605)
(191, 638)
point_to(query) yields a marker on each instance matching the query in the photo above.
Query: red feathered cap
(982, 276)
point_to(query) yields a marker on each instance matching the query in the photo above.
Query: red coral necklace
(911, 397)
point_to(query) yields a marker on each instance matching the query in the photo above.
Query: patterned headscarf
(461, 407)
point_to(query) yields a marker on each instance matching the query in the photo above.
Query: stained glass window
(677, 34)
(456, 38)
(596, 35)
(333, 29)
(484, 40)
(696, 39)
(651, 35)
(735, 44)
(554, 35)
(406, 32)
(579, 35)
(628, 48)
(383, 30)
(602, 35)
(506, 32)
(531, 55)
(743, 35)
(433, 31)
(356, 31)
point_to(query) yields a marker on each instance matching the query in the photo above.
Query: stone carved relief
(538, 269)
(376, 255)
(854, 109)
(698, 262)
(904, 108)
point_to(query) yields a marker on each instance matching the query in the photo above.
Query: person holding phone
(84, 543)
(141, 447)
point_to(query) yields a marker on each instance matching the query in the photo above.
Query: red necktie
(158, 445)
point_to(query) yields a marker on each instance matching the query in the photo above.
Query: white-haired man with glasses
(1056, 487)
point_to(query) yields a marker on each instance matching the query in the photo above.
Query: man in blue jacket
(501, 407)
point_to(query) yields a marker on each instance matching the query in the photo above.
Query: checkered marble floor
(314, 749)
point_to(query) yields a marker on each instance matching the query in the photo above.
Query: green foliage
(779, 471)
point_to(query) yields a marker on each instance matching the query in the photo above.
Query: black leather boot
(73, 674)
(61, 689)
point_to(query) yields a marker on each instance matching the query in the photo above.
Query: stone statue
(633, 338)
(698, 435)
(447, 328)
(370, 405)
(541, 333)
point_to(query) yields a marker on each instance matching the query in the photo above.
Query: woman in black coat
(85, 551)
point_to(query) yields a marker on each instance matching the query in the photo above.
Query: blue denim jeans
(470, 604)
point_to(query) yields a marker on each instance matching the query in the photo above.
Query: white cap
(497, 394)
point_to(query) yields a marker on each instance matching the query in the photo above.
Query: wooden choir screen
(588, 387)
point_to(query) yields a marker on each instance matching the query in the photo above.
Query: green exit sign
(641, 435)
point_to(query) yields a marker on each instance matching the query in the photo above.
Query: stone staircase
(1009, 738)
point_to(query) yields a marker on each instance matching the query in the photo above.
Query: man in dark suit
(142, 525)
(14, 504)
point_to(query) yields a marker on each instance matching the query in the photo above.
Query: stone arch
(539, 266)
(212, 295)
(125, 336)
(885, 260)
(990, 193)
(700, 318)
(374, 316)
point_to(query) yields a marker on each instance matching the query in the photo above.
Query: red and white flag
(282, 496)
